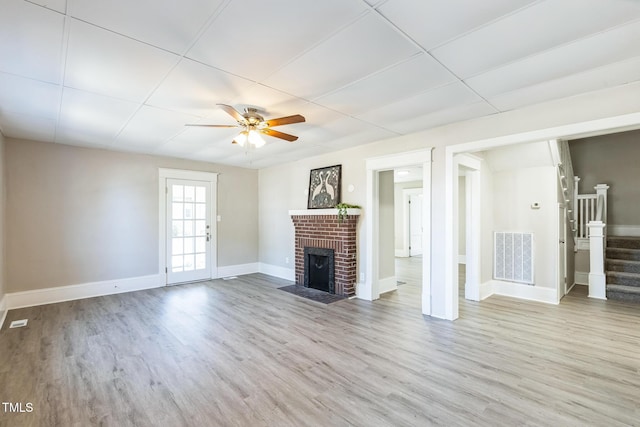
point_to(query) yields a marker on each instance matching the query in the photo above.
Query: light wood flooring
(242, 353)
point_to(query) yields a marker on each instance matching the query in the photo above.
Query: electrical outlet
(286, 260)
(362, 277)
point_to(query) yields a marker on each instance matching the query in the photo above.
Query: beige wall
(613, 160)
(79, 215)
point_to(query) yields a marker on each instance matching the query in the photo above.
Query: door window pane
(201, 244)
(188, 228)
(176, 246)
(201, 228)
(201, 211)
(178, 210)
(176, 263)
(188, 211)
(188, 245)
(177, 191)
(189, 263)
(177, 229)
(189, 193)
(201, 195)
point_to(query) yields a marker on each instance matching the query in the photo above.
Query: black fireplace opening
(319, 269)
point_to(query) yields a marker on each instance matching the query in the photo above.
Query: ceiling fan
(253, 124)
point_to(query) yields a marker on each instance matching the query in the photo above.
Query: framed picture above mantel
(324, 187)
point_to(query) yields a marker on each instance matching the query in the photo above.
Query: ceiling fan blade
(212, 126)
(280, 135)
(297, 118)
(233, 113)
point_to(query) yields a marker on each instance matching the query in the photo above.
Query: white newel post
(597, 278)
(601, 190)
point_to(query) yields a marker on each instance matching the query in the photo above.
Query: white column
(597, 278)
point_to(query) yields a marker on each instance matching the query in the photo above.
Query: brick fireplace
(321, 229)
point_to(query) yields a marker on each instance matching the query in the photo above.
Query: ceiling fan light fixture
(255, 139)
(241, 138)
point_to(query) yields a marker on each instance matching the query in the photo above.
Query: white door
(415, 224)
(188, 231)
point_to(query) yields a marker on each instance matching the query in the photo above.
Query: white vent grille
(513, 257)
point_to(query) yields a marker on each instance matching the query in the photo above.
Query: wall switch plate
(219, 218)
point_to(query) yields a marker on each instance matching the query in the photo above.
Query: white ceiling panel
(362, 49)
(604, 48)
(30, 40)
(442, 117)
(424, 103)
(195, 139)
(587, 81)
(433, 22)
(194, 88)
(540, 27)
(27, 96)
(95, 115)
(417, 74)
(103, 62)
(152, 126)
(27, 127)
(167, 24)
(253, 38)
(57, 5)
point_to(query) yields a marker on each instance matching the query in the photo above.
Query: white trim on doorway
(570, 131)
(370, 288)
(163, 175)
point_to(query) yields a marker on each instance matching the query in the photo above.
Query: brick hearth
(322, 229)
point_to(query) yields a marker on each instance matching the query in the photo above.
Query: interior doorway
(377, 175)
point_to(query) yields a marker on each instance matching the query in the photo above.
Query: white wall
(283, 187)
(514, 192)
(80, 215)
(462, 216)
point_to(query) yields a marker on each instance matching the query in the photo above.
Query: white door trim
(370, 289)
(163, 175)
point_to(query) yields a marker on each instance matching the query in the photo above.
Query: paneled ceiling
(129, 74)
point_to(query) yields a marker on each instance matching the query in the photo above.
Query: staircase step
(622, 253)
(620, 278)
(623, 293)
(623, 265)
(623, 242)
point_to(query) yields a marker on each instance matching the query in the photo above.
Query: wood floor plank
(242, 353)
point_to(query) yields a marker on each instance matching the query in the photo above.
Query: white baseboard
(623, 230)
(277, 271)
(238, 269)
(3, 310)
(402, 253)
(363, 291)
(85, 290)
(581, 278)
(462, 259)
(486, 290)
(387, 284)
(517, 290)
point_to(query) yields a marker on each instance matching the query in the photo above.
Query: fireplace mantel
(333, 211)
